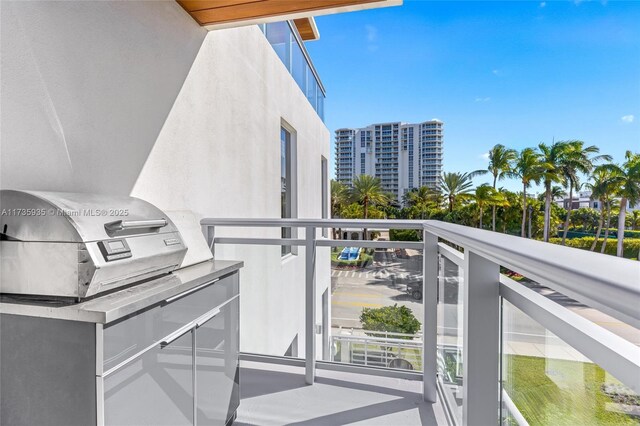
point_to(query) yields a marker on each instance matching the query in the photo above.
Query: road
(381, 284)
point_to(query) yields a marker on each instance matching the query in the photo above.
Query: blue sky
(511, 72)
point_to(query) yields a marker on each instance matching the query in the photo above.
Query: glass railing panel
(450, 334)
(279, 36)
(376, 306)
(272, 297)
(300, 68)
(320, 104)
(311, 88)
(292, 54)
(591, 313)
(545, 381)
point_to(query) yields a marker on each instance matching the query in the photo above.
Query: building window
(286, 183)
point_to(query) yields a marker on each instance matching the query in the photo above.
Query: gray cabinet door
(217, 348)
(134, 333)
(155, 389)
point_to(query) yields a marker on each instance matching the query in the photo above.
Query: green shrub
(630, 250)
(613, 232)
(404, 235)
(627, 233)
(396, 319)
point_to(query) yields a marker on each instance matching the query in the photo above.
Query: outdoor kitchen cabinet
(169, 358)
(191, 371)
(154, 389)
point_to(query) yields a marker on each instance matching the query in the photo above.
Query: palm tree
(635, 220)
(457, 185)
(500, 162)
(339, 197)
(601, 190)
(368, 190)
(551, 158)
(626, 179)
(528, 169)
(504, 214)
(421, 199)
(557, 192)
(484, 195)
(611, 204)
(531, 207)
(576, 159)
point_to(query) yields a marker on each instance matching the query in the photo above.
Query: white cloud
(543, 4)
(372, 37)
(627, 118)
(495, 72)
(486, 99)
(372, 33)
(484, 156)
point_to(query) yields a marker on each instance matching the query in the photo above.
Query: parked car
(402, 253)
(415, 289)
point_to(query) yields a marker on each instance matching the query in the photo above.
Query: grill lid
(77, 217)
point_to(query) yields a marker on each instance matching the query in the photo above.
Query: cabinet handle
(188, 292)
(212, 313)
(177, 334)
(123, 225)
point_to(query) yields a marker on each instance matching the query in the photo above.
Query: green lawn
(573, 397)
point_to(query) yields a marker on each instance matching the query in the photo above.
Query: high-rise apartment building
(403, 156)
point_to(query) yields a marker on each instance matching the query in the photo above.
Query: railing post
(430, 316)
(326, 325)
(481, 340)
(310, 304)
(209, 234)
(366, 352)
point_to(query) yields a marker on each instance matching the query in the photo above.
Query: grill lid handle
(123, 225)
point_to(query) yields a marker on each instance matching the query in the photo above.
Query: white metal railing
(609, 284)
(382, 334)
(376, 351)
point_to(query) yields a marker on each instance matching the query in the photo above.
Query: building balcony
(288, 45)
(512, 330)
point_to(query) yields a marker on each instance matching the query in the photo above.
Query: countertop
(112, 306)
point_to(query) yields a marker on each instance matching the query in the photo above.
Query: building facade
(403, 156)
(584, 200)
(161, 123)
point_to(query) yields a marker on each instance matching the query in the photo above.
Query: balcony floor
(273, 394)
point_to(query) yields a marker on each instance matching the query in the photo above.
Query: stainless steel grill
(78, 245)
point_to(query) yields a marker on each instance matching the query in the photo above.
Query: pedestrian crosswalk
(372, 274)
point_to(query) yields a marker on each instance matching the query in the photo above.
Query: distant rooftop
(401, 123)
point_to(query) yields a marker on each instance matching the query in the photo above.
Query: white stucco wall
(86, 87)
(135, 98)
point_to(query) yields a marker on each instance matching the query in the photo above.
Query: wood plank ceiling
(221, 13)
(307, 28)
